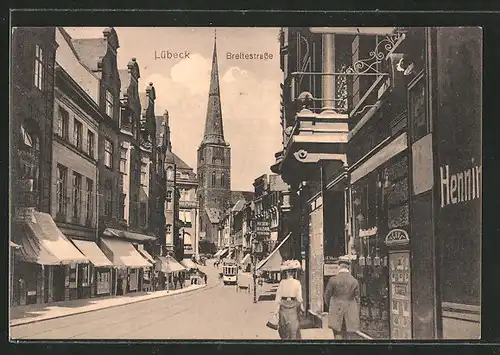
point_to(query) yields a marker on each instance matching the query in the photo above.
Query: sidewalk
(266, 305)
(34, 313)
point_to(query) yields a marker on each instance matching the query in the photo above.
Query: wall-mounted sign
(368, 232)
(462, 186)
(262, 228)
(25, 214)
(397, 237)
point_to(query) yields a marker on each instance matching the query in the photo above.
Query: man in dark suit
(342, 295)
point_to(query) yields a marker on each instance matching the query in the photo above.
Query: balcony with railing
(320, 107)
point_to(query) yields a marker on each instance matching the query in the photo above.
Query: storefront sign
(459, 187)
(25, 214)
(262, 228)
(397, 237)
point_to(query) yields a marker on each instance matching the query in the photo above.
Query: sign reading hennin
(462, 186)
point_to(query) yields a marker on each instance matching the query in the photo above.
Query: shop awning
(273, 261)
(92, 251)
(123, 254)
(145, 254)
(168, 264)
(230, 255)
(221, 253)
(246, 259)
(118, 233)
(43, 243)
(188, 264)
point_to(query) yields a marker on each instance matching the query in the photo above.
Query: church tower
(214, 162)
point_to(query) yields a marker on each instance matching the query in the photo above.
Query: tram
(230, 272)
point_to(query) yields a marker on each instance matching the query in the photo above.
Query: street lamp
(255, 242)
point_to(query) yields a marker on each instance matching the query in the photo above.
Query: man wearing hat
(342, 295)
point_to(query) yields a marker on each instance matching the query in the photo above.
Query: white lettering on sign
(460, 187)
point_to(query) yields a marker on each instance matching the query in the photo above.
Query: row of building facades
(381, 132)
(96, 192)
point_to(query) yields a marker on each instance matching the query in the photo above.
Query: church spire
(214, 132)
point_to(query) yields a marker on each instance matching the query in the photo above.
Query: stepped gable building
(214, 163)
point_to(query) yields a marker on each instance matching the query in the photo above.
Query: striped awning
(273, 261)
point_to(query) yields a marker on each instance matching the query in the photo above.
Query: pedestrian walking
(289, 302)
(205, 277)
(175, 282)
(342, 295)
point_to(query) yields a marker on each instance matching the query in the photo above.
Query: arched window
(223, 180)
(170, 173)
(213, 178)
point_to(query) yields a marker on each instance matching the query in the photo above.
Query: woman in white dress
(289, 302)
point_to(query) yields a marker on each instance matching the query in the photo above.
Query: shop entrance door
(400, 294)
(59, 283)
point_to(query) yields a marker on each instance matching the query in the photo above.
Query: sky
(250, 89)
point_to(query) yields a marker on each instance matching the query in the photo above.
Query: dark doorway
(59, 283)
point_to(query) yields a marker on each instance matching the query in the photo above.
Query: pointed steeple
(214, 132)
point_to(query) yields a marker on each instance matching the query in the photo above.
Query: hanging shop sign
(262, 228)
(397, 237)
(368, 232)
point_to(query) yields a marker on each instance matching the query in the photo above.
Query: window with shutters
(213, 178)
(223, 180)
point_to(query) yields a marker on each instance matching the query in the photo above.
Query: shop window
(39, 67)
(85, 275)
(103, 282)
(73, 276)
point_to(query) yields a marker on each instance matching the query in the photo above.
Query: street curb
(99, 309)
